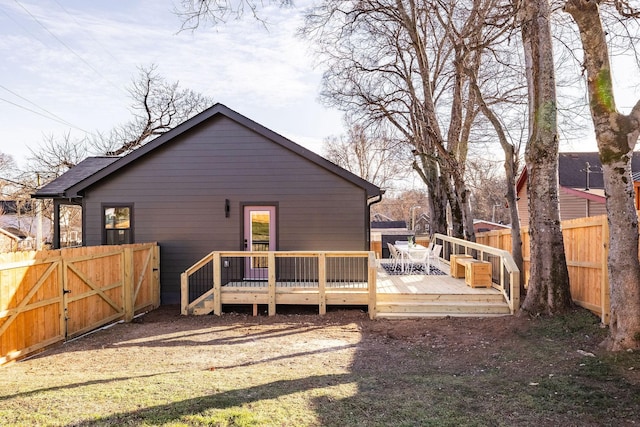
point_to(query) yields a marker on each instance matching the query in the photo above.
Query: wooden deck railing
(288, 277)
(505, 273)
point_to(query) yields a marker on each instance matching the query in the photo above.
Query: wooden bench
(477, 274)
(457, 270)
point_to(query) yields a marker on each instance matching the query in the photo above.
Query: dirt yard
(344, 368)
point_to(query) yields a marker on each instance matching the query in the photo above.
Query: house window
(118, 225)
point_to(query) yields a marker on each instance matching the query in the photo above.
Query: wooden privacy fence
(586, 246)
(49, 296)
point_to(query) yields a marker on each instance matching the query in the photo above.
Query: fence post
(155, 271)
(605, 302)
(62, 279)
(128, 293)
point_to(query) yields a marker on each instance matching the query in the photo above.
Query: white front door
(259, 236)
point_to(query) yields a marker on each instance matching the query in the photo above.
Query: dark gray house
(218, 181)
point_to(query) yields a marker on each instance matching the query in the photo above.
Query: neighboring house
(378, 217)
(12, 240)
(214, 183)
(20, 219)
(422, 225)
(480, 226)
(581, 186)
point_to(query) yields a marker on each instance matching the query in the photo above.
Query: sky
(66, 65)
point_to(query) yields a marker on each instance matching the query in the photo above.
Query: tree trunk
(428, 171)
(512, 201)
(548, 291)
(616, 135)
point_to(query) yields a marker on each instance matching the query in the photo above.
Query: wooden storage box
(478, 274)
(457, 270)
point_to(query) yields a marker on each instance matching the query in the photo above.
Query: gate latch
(66, 291)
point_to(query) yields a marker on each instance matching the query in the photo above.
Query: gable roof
(71, 183)
(572, 170)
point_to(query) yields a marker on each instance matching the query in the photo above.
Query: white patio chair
(434, 255)
(394, 254)
(419, 257)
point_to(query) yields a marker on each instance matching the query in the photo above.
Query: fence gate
(98, 293)
(47, 296)
(92, 294)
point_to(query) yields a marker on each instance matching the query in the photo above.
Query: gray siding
(572, 207)
(178, 193)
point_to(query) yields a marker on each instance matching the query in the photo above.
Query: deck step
(433, 315)
(444, 308)
(204, 307)
(411, 298)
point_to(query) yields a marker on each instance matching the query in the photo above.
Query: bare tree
(500, 92)
(617, 135)
(7, 165)
(404, 63)
(369, 153)
(158, 106)
(195, 13)
(511, 149)
(399, 205)
(54, 156)
(487, 184)
(548, 290)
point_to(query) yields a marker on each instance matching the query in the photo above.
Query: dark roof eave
(49, 196)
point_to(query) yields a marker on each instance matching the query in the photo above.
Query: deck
(403, 296)
(397, 295)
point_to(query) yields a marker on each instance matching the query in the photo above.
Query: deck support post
(272, 283)
(184, 294)
(515, 291)
(322, 283)
(373, 286)
(217, 284)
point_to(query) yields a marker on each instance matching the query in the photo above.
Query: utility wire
(19, 24)
(64, 122)
(53, 116)
(67, 46)
(88, 34)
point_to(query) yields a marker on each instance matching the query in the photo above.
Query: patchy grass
(339, 370)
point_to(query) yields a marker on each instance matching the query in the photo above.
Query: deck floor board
(427, 284)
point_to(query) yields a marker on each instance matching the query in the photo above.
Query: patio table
(403, 250)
